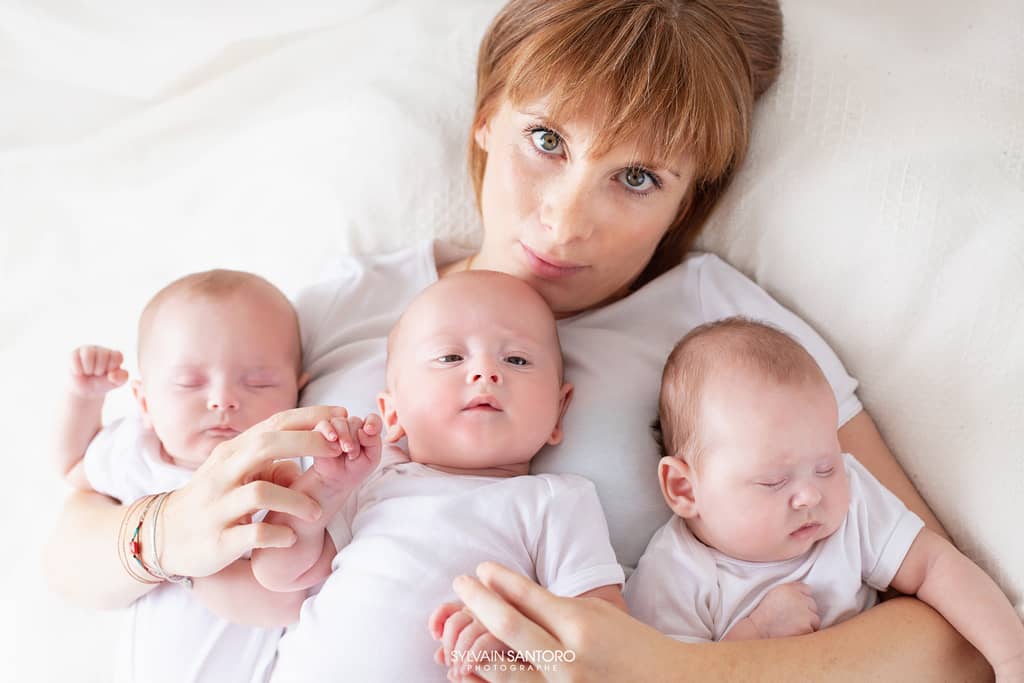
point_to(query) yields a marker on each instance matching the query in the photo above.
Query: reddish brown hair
(680, 76)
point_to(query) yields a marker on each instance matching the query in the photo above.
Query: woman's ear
(482, 133)
(556, 433)
(677, 486)
(393, 430)
(139, 392)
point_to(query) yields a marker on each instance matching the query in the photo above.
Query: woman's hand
(589, 639)
(206, 524)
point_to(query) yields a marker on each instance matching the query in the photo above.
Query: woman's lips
(547, 267)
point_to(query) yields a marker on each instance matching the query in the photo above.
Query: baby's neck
(502, 471)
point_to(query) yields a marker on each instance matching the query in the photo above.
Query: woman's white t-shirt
(613, 357)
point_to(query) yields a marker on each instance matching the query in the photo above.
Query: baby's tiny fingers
(340, 425)
(117, 376)
(87, 356)
(373, 424)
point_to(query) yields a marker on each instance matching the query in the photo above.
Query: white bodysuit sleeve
(574, 554)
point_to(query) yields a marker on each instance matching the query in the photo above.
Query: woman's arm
(860, 437)
(203, 525)
(902, 639)
(80, 559)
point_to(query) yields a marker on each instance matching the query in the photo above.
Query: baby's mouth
(483, 403)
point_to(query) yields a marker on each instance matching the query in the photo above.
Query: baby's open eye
(517, 360)
(449, 358)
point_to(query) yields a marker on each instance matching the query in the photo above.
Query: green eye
(635, 177)
(546, 140)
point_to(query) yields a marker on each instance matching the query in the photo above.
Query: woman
(604, 134)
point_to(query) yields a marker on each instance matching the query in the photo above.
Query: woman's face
(578, 227)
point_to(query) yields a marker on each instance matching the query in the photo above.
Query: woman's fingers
(298, 419)
(240, 539)
(535, 603)
(247, 453)
(264, 495)
(502, 619)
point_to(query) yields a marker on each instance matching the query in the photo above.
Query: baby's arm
(234, 594)
(94, 371)
(330, 482)
(971, 602)
(786, 610)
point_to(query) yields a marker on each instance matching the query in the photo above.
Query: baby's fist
(786, 610)
(95, 370)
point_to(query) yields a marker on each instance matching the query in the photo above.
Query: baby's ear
(565, 398)
(676, 478)
(140, 398)
(393, 430)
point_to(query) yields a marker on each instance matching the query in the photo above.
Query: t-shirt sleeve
(109, 458)
(725, 292)
(573, 553)
(672, 587)
(885, 526)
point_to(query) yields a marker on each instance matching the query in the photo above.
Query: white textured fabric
(167, 635)
(616, 373)
(695, 593)
(402, 538)
(881, 202)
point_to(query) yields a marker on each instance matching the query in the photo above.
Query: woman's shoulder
(358, 286)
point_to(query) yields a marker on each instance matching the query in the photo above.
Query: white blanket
(883, 201)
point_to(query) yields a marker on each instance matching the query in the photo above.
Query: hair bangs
(638, 81)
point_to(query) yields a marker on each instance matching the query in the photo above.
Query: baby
(474, 387)
(218, 352)
(778, 533)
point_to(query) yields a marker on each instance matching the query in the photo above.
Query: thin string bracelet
(124, 545)
(157, 568)
(135, 544)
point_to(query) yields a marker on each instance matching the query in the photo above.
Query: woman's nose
(564, 210)
(807, 496)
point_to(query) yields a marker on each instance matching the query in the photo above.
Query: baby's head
(219, 351)
(474, 375)
(748, 428)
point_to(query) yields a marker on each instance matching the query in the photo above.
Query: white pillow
(879, 202)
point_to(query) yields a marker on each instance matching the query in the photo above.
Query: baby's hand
(95, 370)
(359, 447)
(463, 640)
(786, 610)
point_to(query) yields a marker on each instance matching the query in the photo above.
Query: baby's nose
(484, 374)
(222, 402)
(808, 496)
